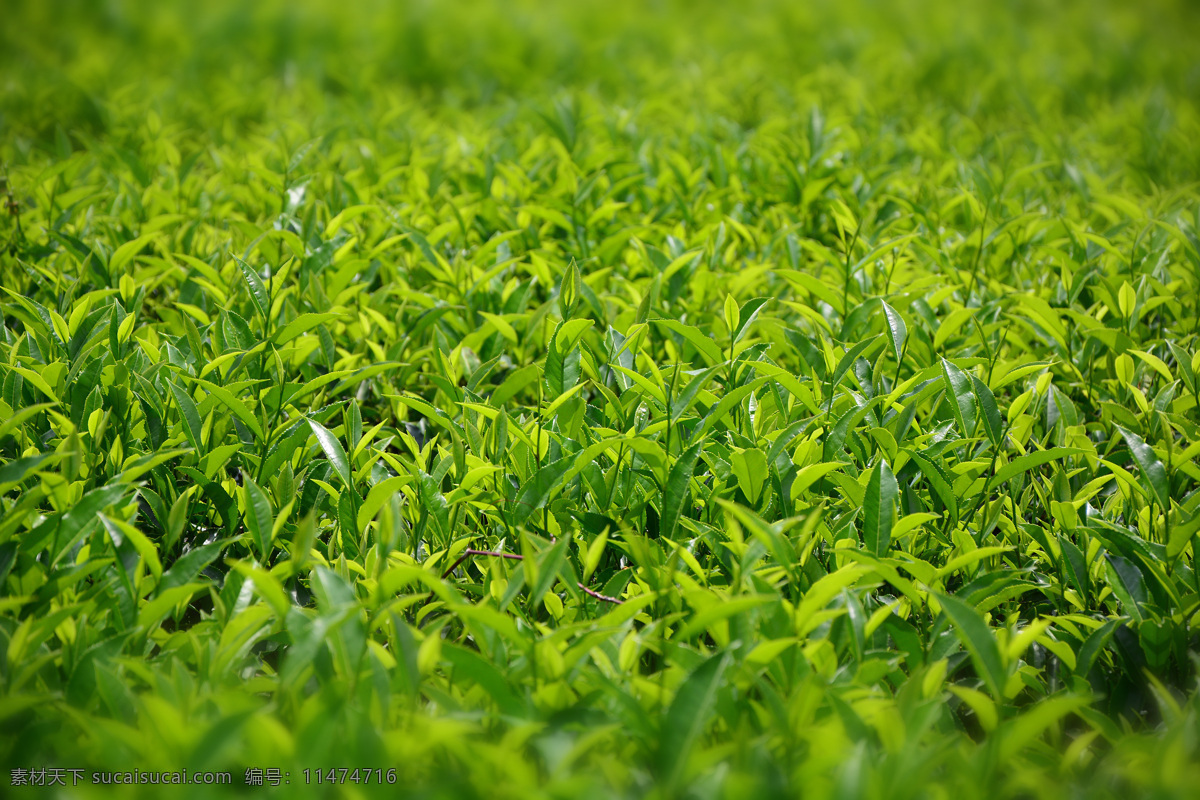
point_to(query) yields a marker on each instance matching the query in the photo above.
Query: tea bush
(601, 400)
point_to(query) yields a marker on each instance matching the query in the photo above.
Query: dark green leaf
(962, 397)
(879, 509)
(538, 489)
(676, 491)
(191, 417)
(977, 638)
(1154, 475)
(259, 518)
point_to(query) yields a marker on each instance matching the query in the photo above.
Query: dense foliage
(603, 401)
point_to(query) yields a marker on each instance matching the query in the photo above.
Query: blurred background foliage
(1016, 63)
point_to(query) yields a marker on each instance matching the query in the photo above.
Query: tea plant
(602, 402)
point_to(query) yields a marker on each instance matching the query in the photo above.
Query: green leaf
(1127, 583)
(989, 412)
(433, 503)
(302, 542)
(750, 468)
(73, 523)
(143, 464)
(684, 400)
(688, 717)
(1076, 565)
(811, 474)
(538, 489)
(852, 355)
(568, 334)
(649, 387)
(1094, 645)
(977, 638)
(726, 404)
(300, 325)
(36, 379)
(549, 565)
(469, 665)
(1181, 535)
(334, 452)
(22, 468)
(258, 292)
(676, 490)
(515, 382)
(562, 369)
(1022, 464)
(595, 552)
(332, 591)
(191, 417)
(120, 530)
(722, 611)
(236, 406)
(348, 520)
(309, 637)
(732, 315)
(10, 424)
(747, 314)
(704, 345)
(897, 331)
(879, 509)
(843, 217)
(259, 516)
(1017, 733)
(1154, 475)
(836, 439)
(153, 612)
(128, 251)
(220, 737)
(266, 585)
(568, 292)
(188, 566)
(378, 495)
(962, 397)
(939, 482)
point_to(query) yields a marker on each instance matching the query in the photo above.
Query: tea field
(600, 400)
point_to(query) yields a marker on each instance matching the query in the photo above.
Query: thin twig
(597, 595)
(468, 553)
